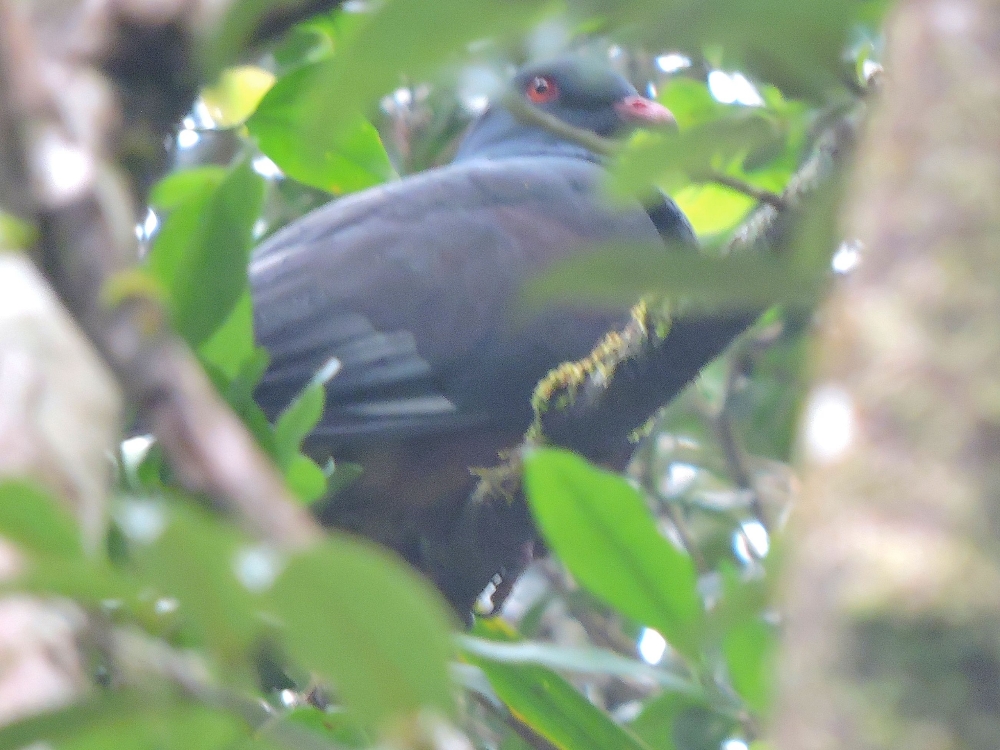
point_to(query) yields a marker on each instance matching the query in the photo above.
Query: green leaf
(792, 44)
(587, 660)
(186, 186)
(239, 395)
(402, 38)
(601, 529)
(701, 728)
(749, 651)
(695, 152)
(743, 599)
(57, 726)
(347, 156)
(549, 704)
(621, 275)
(678, 722)
(232, 344)
(303, 44)
(50, 536)
(184, 552)
(368, 622)
(236, 94)
(200, 253)
(691, 103)
(305, 478)
(713, 209)
(243, 20)
(296, 421)
(772, 402)
(32, 518)
(337, 726)
(127, 721)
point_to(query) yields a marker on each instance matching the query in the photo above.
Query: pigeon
(410, 294)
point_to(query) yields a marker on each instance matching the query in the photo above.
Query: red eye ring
(542, 89)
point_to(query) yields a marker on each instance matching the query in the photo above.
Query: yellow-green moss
(558, 389)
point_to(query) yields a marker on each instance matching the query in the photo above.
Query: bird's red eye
(542, 89)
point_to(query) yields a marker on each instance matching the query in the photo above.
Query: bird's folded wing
(411, 286)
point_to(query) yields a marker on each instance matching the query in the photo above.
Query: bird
(409, 292)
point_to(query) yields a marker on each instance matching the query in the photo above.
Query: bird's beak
(638, 110)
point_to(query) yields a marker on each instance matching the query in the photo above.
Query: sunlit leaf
(234, 97)
(713, 209)
(601, 529)
(691, 103)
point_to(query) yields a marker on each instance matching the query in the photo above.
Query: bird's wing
(411, 288)
(671, 223)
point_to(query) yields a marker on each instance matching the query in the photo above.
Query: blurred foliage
(15, 233)
(344, 644)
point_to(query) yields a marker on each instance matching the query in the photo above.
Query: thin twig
(742, 186)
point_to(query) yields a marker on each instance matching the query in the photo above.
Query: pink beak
(639, 110)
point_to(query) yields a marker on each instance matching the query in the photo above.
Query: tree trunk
(893, 579)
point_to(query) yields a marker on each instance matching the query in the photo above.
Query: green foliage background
(661, 550)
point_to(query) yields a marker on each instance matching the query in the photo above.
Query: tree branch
(86, 214)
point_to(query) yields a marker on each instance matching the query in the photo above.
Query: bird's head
(589, 96)
(595, 101)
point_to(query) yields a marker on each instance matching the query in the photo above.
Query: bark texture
(893, 588)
